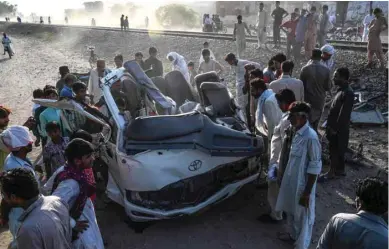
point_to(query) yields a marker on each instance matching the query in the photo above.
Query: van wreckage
(172, 165)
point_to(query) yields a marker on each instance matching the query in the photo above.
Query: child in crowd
(192, 73)
(53, 152)
(37, 94)
(80, 89)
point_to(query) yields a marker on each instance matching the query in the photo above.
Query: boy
(37, 94)
(80, 89)
(192, 73)
(53, 152)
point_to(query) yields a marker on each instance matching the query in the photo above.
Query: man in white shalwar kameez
(70, 188)
(179, 64)
(261, 26)
(94, 80)
(239, 35)
(298, 186)
(280, 144)
(239, 64)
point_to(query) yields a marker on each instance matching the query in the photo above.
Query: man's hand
(37, 142)
(30, 123)
(330, 132)
(304, 200)
(80, 227)
(38, 168)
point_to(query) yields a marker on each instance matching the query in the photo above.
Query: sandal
(325, 178)
(285, 237)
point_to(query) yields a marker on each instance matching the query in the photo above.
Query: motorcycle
(350, 34)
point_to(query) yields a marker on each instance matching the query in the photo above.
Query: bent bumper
(141, 214)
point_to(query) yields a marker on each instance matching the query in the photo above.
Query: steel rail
(340, 44)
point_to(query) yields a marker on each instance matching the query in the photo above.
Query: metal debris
(367, 113)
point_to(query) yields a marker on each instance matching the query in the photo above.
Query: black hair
(230, 57)
(258, 83)
(52, 126)
(50, 91)
(205, 44)
(287, 66)
(261, 3)
(325, 7)
(82, 135)
(4, 111)
(138, 54)
(119, 56)
(300, 106)
(313, 8)
(239, 17)
(377, 10)
(316, 54)
(152, 50)
(257, 73)
(64, 69)
(373, 193)
(48, 87)
(286, 96)
(77, 148)
(343, 72)
(70, 78)
(270, 62)
(190, 64)
(38, 93)
(20, 182)
(78, 86)
(280, 57)
(205, 52)
(277, 2)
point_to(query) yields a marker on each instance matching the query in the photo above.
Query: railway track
(339, 44)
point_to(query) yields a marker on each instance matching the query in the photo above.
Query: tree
(127, 9)
(7, 8)
(177, 15)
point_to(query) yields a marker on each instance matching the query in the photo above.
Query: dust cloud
(109, 17)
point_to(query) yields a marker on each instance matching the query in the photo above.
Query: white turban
(328, 49)
(16, 137)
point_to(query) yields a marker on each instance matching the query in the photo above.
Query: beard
(3, 125)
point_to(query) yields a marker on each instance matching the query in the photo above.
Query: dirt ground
(230, 224)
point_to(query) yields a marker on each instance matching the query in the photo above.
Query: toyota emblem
(195, 165)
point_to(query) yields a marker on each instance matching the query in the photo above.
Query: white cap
(328, 49)
(16, 137)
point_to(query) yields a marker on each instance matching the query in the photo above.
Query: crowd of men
(306, 28)
(54, 206)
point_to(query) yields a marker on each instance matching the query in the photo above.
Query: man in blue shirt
(365, 229)
(66, 91)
